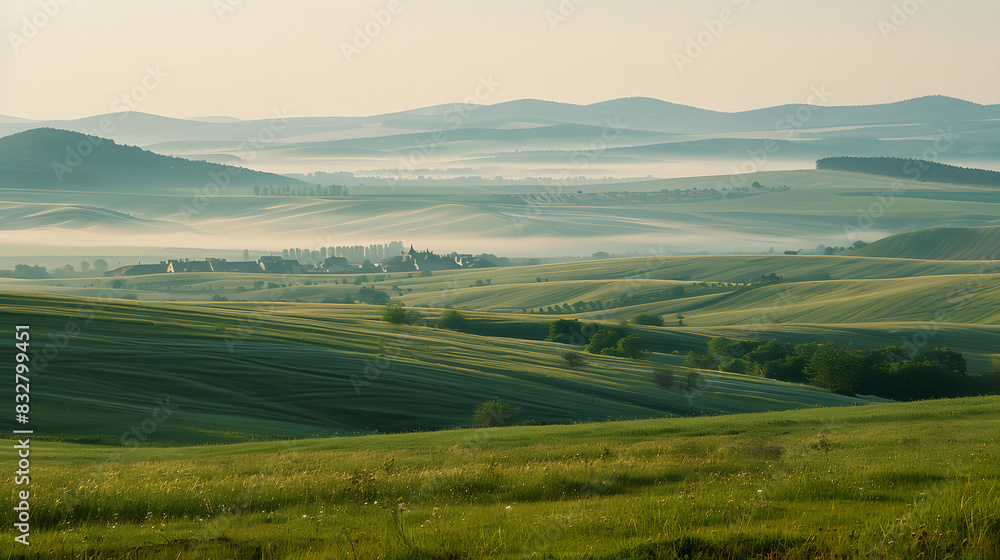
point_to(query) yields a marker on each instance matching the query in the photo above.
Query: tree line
(912, 169)
(890, 372)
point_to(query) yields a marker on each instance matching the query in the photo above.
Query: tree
(602, 340)
(628, 347)
(394, 313)
(573, 359)
(567, 331)
(451, 320)
(497, 413)
(246, 254)
(101, 266)
(84, 266)
(30, 272)
(258, 284)
(836, 368)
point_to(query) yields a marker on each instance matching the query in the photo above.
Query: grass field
(901, 481)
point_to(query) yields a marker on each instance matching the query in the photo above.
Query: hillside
(938, 243)
(237, 372)
(49, 158)
(911, 169)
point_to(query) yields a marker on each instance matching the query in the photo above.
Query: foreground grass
(913, 480)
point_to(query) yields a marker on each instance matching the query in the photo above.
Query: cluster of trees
(317, 190)
(913, 169)
(597, 339)
(396, 313)
(30, 272)
(840, 250)
(891, 372)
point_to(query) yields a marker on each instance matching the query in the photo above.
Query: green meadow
(901, 481)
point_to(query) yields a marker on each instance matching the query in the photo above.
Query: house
(174, 266)
(335, 265)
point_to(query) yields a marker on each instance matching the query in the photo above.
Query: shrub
(451, 320)
(217, 297)
(394, 313)
(648, 320)
(496, 413)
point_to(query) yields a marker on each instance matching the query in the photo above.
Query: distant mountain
(60, 159)
(938, 244)
(493, 140)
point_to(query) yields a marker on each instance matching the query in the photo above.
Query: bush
(272, 286)
(496, 413)
(217, 297)
(240, 289)
(648, 320)
(451, 320)
(394, 313)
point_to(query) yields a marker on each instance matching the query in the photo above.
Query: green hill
(50, 158)
(237, 371)
(938, 243)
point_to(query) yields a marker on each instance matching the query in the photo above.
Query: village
(410, 261)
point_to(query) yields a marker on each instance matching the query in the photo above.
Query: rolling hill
(239, 371)
(938, 243)
(47, 158)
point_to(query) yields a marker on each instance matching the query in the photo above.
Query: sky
(248, 59)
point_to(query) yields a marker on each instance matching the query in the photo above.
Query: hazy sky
(250, 58)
